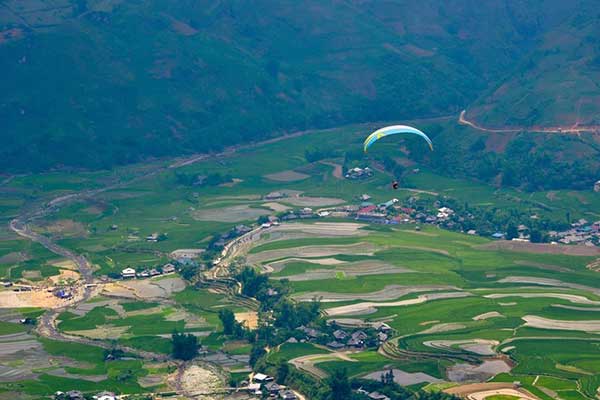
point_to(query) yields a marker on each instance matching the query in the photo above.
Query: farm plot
(230, 214)
(315, 251)
(286, 176)
(488, 296)
(304, 272)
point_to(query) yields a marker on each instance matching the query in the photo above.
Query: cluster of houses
(263, 385)
(239, 230)
(77, 395)
(130, 273)
(358, 173)
(342, 339)
(389, 212)
(302, 213)
(347, 339)
(581, 232)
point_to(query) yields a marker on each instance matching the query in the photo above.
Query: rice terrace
(440, 308)
(301, 200)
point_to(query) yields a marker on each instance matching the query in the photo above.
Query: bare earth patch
(444, 327)
(546, 323)
(548, 282)
(478, 346)
(520, 393)
(325, 228)
(14, 257)
(277, 207)
(390, 292)
(369, 307)
(425, 323)
(337, 169)
(104, 332)
(64, 264)
(37, 298)
(229, 214)
(249, 319)
(145, 288)
(362, 248)
(469, 372)
(570, 297)
(65, 275)
(201, 382)
(307, 363)
(286, 176)
(65, 227)
(541, 248)
(479, 391)
(487, 315)
(307, 201)
(404, 378)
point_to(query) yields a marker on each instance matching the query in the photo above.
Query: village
(334, 338)
(393, 212)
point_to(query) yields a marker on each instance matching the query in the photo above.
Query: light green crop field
(163, 205)
(500, 289)
(120, 376)
(515, 300)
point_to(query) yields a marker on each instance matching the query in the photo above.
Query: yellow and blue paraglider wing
(394, 130)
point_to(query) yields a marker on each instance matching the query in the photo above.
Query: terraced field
(461, 311)
(462, 307)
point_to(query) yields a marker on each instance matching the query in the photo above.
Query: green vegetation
(153, 344)
(288, 351)
(9, 328)
(502, 397)
(301, 78)
(116, 222)
(185, 346)
(152, 80)
(121, 375)
(138, 305)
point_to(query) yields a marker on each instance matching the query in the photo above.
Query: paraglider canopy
(394, 130)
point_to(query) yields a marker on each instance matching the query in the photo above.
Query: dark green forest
(91, 86)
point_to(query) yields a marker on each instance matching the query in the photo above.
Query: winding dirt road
(574, 129)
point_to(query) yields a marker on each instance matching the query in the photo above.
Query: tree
(252, 282)
(389, 377)
(339, 385)
(256, 353)
(263, 219)
(228, 320)
(536, 236)
(185, 346)
(511, 232)
(283, 370)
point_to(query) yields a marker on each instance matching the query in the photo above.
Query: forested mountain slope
(95, 83)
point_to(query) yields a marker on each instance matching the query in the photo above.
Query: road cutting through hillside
(573, 129)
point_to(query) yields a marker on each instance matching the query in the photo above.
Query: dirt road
(574, 129)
